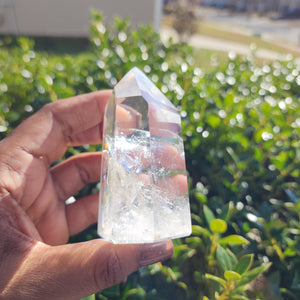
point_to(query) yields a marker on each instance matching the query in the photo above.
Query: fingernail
(153, 253)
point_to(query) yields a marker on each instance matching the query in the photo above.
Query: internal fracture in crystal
(143, 191)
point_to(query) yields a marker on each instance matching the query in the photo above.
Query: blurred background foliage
(241, 127)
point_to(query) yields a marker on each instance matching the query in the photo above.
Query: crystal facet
(144, 192)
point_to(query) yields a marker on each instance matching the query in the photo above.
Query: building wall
(70, 17)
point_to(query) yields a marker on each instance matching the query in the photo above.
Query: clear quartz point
(143, 191)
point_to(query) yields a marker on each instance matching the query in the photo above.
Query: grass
(208, 59)
(205, 59)
(212, 30)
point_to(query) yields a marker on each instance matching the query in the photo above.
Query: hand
(34, 219)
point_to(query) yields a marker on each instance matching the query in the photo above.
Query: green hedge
(241, 125)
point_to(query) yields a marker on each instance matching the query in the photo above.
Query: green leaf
(239, 297)
(291, 206)
(91, 297)
(231, 275)
(221, 281)
(228, 100)
(218, 225)
(198, 230)
(232, 154)
(138, 291)
(233, 240)
(209, 215)
(233, 258)
(213, 120)
(223, 259)
(290, 252)
(244, 264)
(182, 285)
(227, 211)
(252, 274)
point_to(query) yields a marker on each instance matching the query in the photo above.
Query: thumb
(75, 271)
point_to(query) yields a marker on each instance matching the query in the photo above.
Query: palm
(41, 191)
(59, 221)
(48, 213)
(34, 217)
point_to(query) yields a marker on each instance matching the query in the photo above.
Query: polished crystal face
(144, 192)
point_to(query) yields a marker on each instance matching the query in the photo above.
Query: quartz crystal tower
(144, 192)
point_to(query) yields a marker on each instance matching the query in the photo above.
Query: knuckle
(48, 108)
(83, 173)
(110, 272)
(52, 110)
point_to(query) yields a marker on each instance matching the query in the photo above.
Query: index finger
(69, 122)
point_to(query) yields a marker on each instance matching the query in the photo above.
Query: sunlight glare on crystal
(143, 190)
